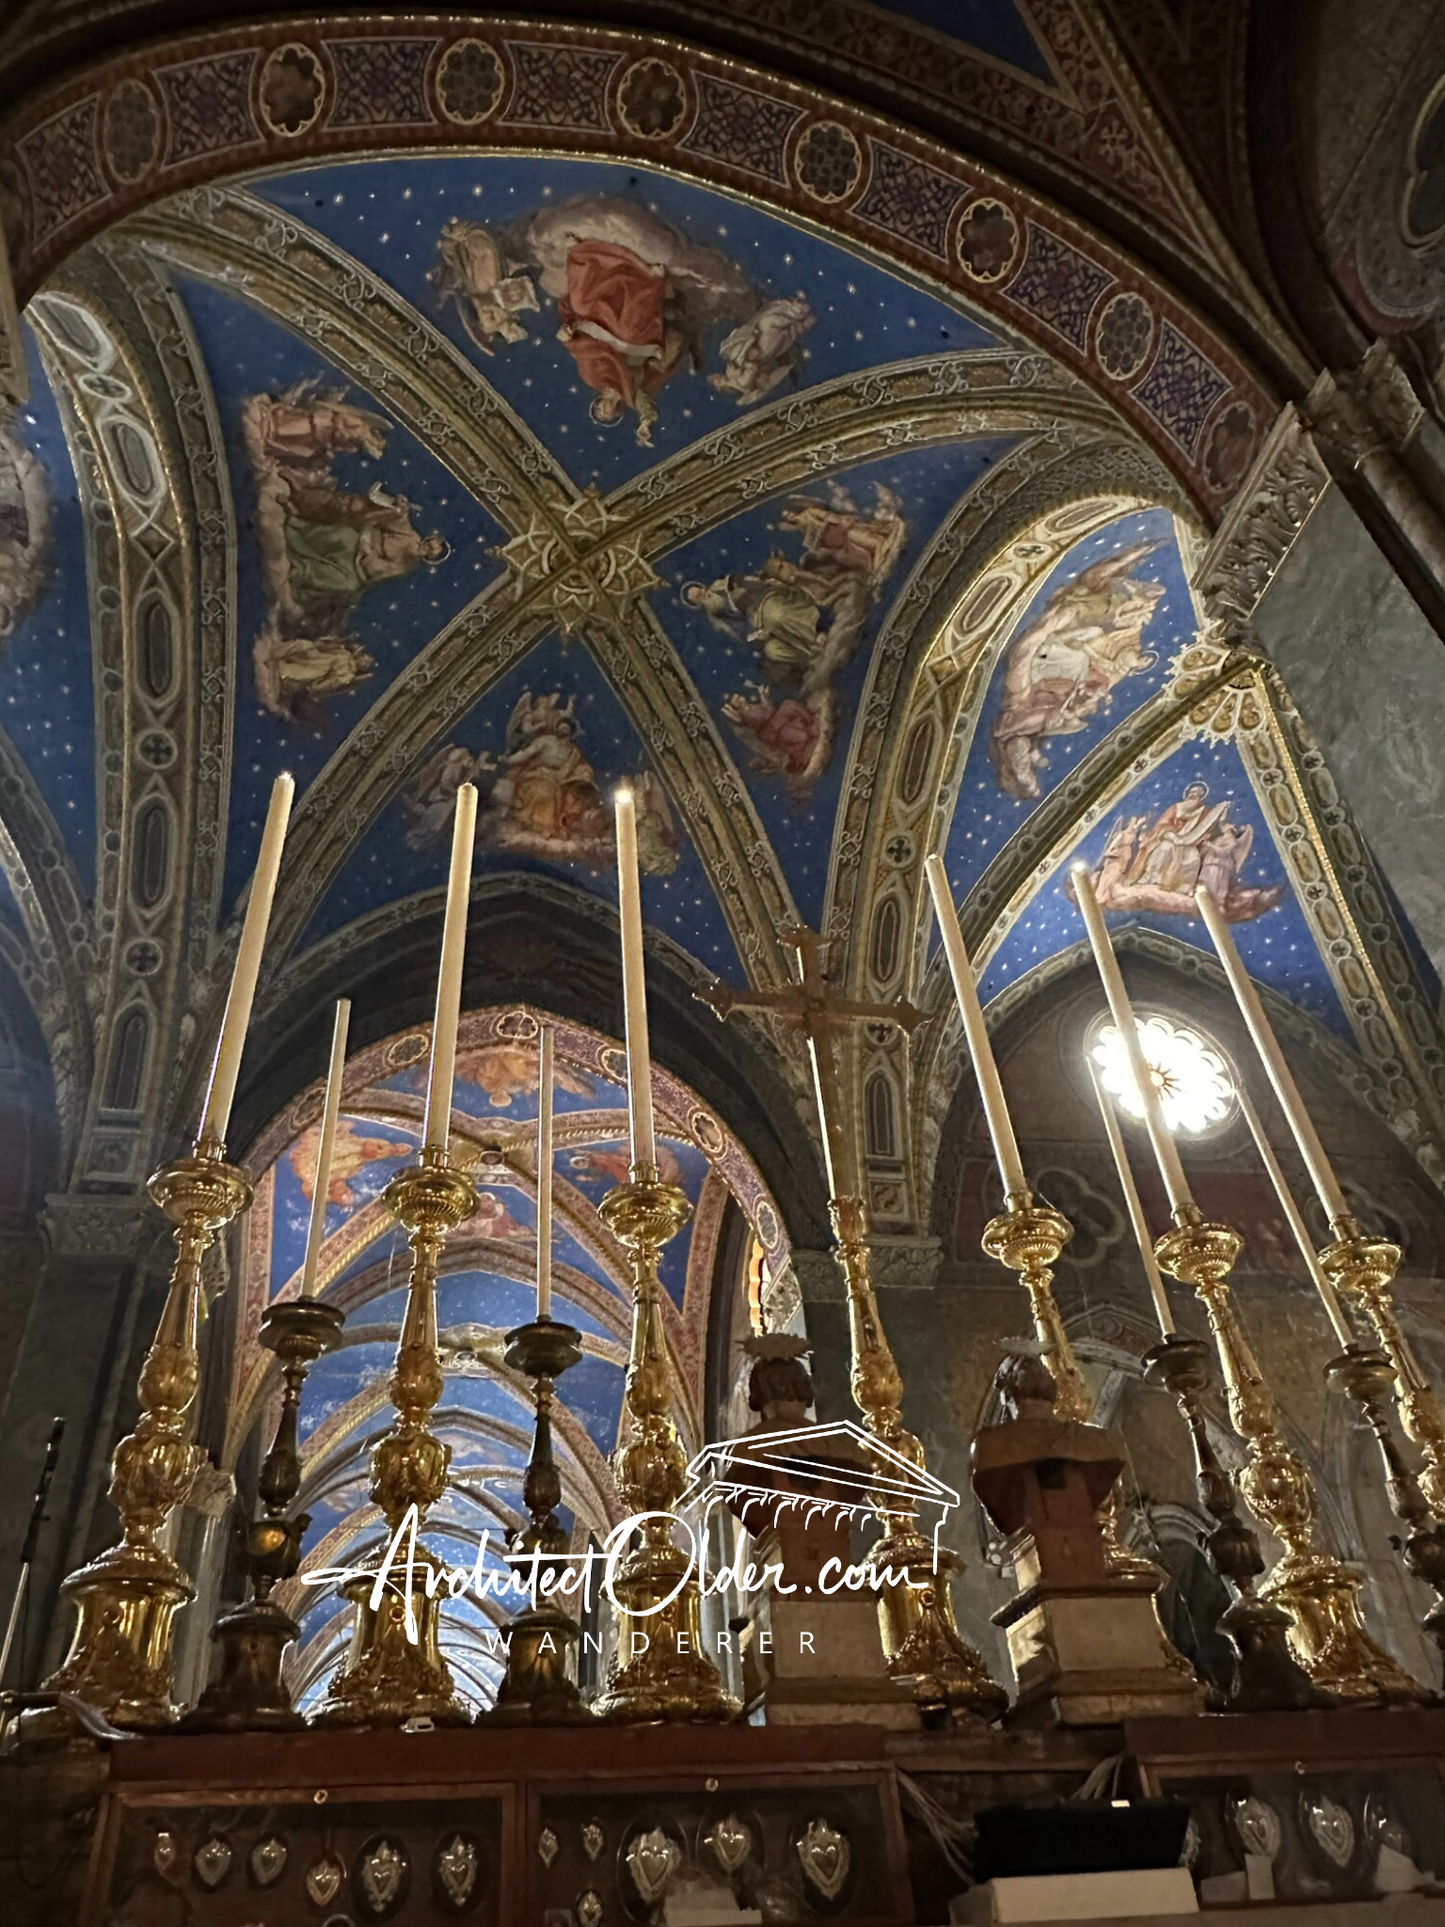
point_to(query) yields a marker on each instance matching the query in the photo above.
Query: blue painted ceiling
(356, 544)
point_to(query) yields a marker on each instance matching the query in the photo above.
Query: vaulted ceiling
(405, 470)
(541, 409)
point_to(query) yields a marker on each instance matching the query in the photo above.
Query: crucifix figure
(920, 1636)
(819, 1012)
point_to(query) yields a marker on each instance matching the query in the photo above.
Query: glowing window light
(1196, 1088)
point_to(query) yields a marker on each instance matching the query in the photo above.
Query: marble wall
(1368, 673)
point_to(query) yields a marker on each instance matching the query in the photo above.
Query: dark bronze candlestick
(248, 1691)
(539, 1687)
(1269, 1677)
(1368, 1376)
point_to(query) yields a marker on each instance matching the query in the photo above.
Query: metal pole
(32, 1539)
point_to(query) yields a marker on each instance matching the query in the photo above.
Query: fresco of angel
(804, 619)
(492, 1219)
(539, 795)
(1190, 845)
(504, 1071)
(612, 1164)
(635, 299)
(1063, 669)
(322, 547)
(24, 532)
(764, 351)
(354, 1149)
(541, 788)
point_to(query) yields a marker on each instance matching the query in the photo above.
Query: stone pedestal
(811, 1655)
(1085, 1638)
(810, 1661)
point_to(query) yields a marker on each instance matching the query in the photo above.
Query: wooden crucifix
(819, 1012)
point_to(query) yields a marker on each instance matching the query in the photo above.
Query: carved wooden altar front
(618, 1827)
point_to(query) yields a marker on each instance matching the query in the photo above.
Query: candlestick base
(127, 1599)
(1029, 1238)
(539, 1687)
(658, 1670)
(926, 1653)
(1122, 1563)
(1268, 1677)
(395, 1671)
(1319, 1592)
(1368, 1375)
(248, 1693)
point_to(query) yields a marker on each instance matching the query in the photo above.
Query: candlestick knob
(1029, 1238)
(395, 1670)
(1268, 1677)
(539, 1687)
(1368, 1376)
(1364, 1268)
(655, 1584)
(924, 1649)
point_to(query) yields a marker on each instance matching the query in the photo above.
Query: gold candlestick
(921, 1640)
(1029, 1239)
(1364, 1268)
(539, 1687)
(395, 1670)
(1320, 1594)
(120, 1658)
(669, 1678)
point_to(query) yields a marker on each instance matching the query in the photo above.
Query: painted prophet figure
(24, 532)
(636, 302)
(1062, 670)
(803, 619)
(539, 795)
(1191, 845)
(322, 547)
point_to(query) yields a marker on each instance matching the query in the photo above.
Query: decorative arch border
(927, 683)
(195, 108)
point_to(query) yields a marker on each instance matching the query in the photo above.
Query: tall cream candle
(1166, 1152)
(1134, 1205)
(330, 1111)
(835, 1151)
(226, 1068)
(436, 1132)
(544, 1175)
(965, 988)
(1329, 1298)
(1326, 1185)
(634, 985)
